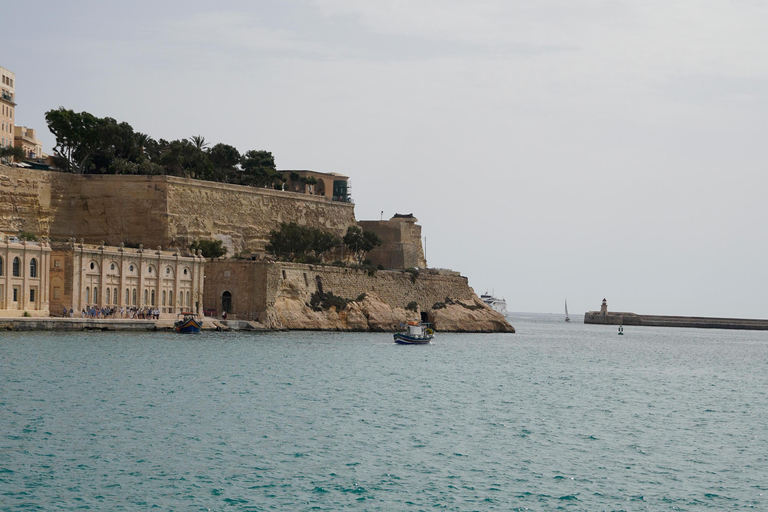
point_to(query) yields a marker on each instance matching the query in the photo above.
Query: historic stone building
(7, 107)
(86, 275)
(26, 139)
(24, 279)
(331, 185)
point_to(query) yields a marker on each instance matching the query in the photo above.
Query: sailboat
(567, 318)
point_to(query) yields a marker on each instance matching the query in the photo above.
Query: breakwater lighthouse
(604, 308)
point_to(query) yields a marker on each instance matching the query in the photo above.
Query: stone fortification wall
(279, 295)
(155, 210)
(242, 217)
(26, 200)
(401, 245)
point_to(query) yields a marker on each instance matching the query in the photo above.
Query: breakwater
(621, 318)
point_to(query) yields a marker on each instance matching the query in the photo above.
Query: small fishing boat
(188, 323)
(416, 333)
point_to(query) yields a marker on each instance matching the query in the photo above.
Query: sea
(558, 416)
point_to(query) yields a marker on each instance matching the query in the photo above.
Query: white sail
(567, 318)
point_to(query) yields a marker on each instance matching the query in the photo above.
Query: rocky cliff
(330, 298)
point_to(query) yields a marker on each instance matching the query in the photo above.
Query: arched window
(127, 297)
(181, 299)
(152, 295)
(146, 297)
(1, 266)
(164, 294)
(87, 295)
(114, 296)
(134, 296)
(33, 268)
(188, 299)
(16, 267)
(106, 297)
(95, 295)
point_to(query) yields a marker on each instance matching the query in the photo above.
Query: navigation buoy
(621, 330)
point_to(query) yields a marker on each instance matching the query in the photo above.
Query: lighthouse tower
(604, 308)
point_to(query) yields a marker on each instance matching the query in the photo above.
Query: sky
(551, 150)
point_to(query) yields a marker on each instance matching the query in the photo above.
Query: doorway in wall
(226, 302)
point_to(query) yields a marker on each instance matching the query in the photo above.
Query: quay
(117, 324)
(605, 317)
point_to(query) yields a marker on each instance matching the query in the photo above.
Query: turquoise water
(556, 417)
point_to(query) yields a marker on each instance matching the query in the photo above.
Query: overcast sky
(551, 149)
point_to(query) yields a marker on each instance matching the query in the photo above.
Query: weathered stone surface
(382, 300)
(471, 316)
(156, 210)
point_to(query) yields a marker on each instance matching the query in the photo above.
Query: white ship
(498, 305)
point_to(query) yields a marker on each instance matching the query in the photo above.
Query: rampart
(280, 294)
(156, 210)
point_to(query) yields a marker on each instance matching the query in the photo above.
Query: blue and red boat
(416, 333)
(188, 323)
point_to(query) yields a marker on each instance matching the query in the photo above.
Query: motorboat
(415, 333)
(188, 323)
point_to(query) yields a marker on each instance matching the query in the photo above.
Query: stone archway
(226, 302)
(320, 187)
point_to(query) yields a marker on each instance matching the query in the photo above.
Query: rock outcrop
(373, 314)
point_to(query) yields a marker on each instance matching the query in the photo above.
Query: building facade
(24, 138)
(85, 275)
(7, 107)
(24, 281)
(332, 185)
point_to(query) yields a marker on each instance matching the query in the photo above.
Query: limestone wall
(401, 245)
(243, 216)
(155, 210)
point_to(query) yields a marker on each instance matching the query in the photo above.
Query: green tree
(323, 242)
(360, 242)
(259, 169)
(290, 242)
(12, 153)
(199, 142)
(77, 136)
(209, 248)
(224, 157)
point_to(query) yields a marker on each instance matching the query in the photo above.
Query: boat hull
(404, 339)
(189, 326)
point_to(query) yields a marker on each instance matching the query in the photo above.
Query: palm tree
(199, 142)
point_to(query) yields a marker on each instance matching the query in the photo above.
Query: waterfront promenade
(116, 324)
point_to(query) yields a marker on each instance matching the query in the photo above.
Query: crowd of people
(115, 312)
